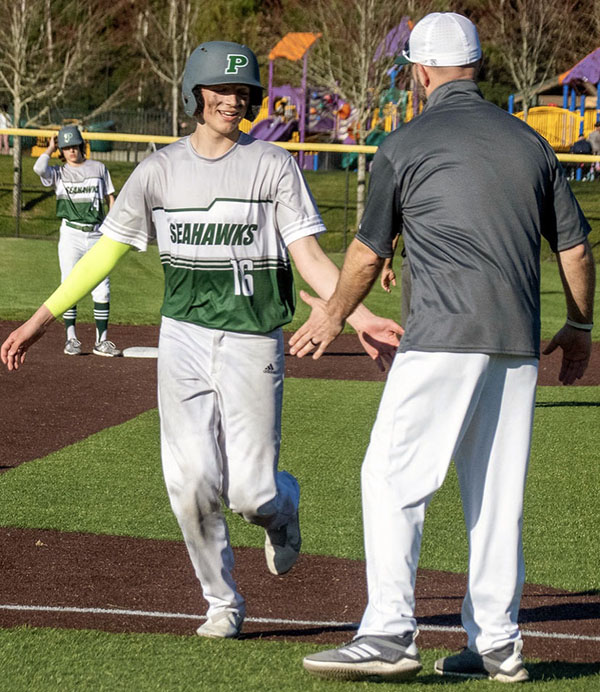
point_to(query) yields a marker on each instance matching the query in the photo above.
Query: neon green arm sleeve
(94, 266)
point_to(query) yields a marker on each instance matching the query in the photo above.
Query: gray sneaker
(106, 348)
(502, 665)
(72, 347)
(224, 625)
(368, 658)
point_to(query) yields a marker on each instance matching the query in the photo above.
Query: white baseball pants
(219, 398)
(72, 246)
(478, 410)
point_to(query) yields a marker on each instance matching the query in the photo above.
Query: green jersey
(222, 226)
(80, 190)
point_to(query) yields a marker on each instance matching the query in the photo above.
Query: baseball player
(463, 385)
(81, 186)
(226, 210)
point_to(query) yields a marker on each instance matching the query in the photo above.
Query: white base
(141, 352)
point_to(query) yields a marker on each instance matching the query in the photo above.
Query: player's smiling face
(224, 107)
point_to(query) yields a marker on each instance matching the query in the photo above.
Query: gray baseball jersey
(222, 227)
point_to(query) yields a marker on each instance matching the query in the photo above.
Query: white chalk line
(272, 621)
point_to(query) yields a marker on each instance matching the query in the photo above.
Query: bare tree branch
(531, 36)
(164, 36)
(44, 53)
(344, 59)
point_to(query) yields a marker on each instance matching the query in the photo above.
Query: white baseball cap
(443, 39)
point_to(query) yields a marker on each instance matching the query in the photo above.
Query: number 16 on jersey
(242, 278)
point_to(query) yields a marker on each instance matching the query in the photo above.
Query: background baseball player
(81, 186)
(473, 190)
(226, 209)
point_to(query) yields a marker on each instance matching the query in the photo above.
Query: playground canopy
(293, 46)
(586, 70)
(395, 40)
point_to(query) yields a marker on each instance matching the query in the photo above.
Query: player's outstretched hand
(380, 339)
(576, 346)
(319, 330)
(14, 348)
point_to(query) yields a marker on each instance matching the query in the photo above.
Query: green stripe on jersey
(85, 212)
(243, 297)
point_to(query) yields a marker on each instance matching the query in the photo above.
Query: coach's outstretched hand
(14, 349)
(379, 336)
(576, 346)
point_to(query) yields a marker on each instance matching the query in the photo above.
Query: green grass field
(84, 487)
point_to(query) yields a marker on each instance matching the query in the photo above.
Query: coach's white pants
(219, 398)
(478, 410)
(72, 246)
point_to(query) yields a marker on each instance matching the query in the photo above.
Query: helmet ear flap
(197, 96)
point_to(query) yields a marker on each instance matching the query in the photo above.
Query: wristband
(581, 327)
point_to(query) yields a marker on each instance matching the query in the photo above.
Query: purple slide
(274, 132)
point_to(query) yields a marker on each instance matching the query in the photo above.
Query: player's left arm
(340, 300)
(110, 200)
(578, 276)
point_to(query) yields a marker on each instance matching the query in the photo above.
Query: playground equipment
(586, 70)
(293, 46)
(293, 113)
(562, 126)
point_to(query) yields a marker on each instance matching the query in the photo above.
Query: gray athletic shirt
(472, 189)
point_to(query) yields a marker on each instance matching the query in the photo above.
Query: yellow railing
(558, 125)
(166, 139)
(290, 146)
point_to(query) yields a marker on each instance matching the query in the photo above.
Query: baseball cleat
(368, 658)
(106, 348)
(224, 625)
(501, 665)
(282, 545)
(72, 347)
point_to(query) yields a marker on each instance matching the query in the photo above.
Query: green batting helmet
(69, 136)
(221, 62)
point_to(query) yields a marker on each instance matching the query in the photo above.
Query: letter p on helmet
(235, 61)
